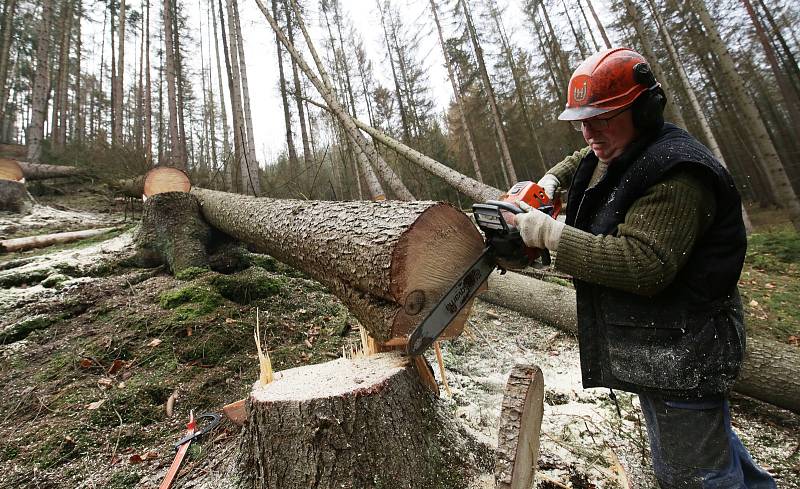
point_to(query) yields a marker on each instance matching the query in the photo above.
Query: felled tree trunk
(14, 197)
(33, 242)
(770, 368)
(40, 171)
(365, 422)
(389, 262)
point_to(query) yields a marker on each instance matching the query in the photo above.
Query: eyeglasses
(595, 124)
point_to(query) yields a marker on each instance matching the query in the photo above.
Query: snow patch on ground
(42, 216)
(76, 259)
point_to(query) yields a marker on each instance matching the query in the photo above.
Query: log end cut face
(339, 378)
(164, 179)
(10, 170)
(430, 257)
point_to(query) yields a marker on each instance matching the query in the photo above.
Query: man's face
(609, 134)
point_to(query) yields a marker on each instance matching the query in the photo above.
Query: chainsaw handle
(506, 206)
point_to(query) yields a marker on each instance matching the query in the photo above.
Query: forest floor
(94, 352)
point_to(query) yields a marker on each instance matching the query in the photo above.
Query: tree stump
(172, 233)
(520, 423)
(14, 197)
(365, 422)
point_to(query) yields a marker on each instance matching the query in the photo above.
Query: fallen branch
(33, 242)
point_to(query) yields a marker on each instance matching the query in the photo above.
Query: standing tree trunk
(672, 109)
(253, 183)
(502, 141)
(58, 125)
(298, 93)
(177, 155)
(41, 85)
(287, 115)
(457, 96)
(518, 90)
(148, 102)
(752, 119)
(226, 145)
(80, 92)
(588, 27)
(5, 50)
(234, 170)
(116, 131)
(324, 86)
(234, 82)
(397, 91)
(698, 110)
(599, 24)
(790, 99)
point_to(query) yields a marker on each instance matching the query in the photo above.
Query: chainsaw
(503, 249)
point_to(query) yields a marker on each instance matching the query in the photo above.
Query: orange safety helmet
(606, 81)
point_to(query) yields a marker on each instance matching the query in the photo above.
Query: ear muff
(648, 108)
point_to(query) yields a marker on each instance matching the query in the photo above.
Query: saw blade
(451, 304)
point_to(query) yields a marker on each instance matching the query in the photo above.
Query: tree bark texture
(520, 424)
(5, 50)
(172, 233)
(365, 422)
(389, 262)
(770, 368)
(14, 197)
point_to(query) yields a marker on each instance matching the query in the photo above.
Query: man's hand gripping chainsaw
(504, 249)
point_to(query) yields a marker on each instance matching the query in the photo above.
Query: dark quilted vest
(688, 340)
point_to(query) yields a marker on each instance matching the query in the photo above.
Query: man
(655, 242)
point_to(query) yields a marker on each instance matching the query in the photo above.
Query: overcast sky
(259, 42)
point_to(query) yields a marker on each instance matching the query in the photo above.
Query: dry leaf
(753, 303)
(154, 342)
(95, 405)
(104, 382)
(188, 331)
(116, 367)
(121, 385)
(794, 340)
(86, 363)
(135, 459)
(151, 455)
(229, 321)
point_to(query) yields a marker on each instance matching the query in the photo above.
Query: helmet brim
(583, 113)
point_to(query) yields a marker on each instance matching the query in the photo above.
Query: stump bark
(365, 422)
(172, 233)
(14, 197)
(389, 262)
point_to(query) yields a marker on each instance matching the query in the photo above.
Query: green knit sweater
(650, 246)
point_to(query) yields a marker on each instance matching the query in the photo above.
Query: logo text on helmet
(580, 91)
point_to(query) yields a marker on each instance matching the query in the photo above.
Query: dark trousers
(693, 447)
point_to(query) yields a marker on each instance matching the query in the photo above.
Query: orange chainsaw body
(535, 196)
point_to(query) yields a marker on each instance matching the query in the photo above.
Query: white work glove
(550, 184)
(537, 229)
